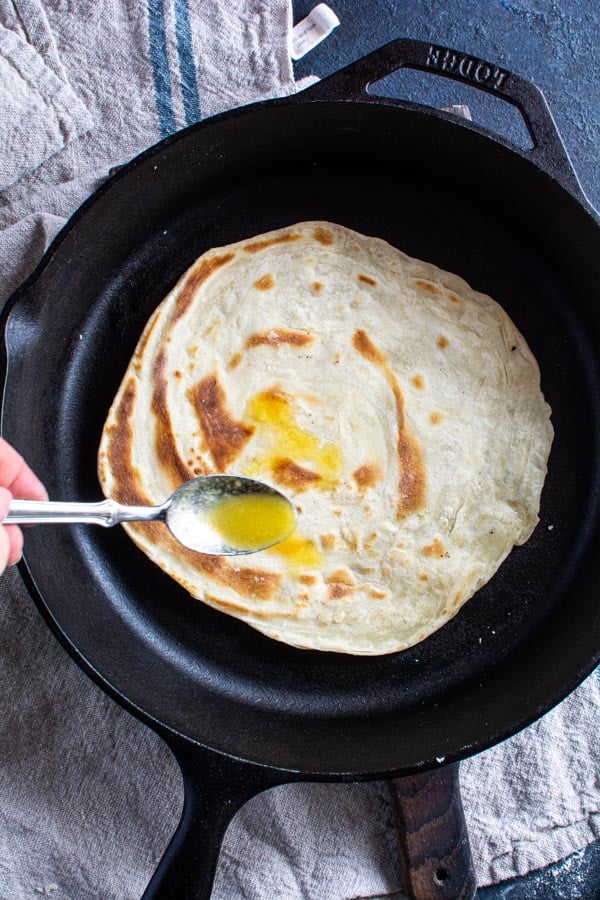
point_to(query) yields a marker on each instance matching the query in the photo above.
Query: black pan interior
(437, 191)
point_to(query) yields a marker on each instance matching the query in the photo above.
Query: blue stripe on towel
(187, 68)
(160, 67)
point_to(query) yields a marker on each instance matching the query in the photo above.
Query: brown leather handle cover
(435, 855)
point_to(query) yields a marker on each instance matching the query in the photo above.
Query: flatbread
(400, 409)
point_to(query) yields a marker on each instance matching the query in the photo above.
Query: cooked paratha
(399, 408)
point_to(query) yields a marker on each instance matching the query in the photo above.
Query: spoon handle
(106, 513)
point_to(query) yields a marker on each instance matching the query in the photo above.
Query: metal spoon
(187, 512)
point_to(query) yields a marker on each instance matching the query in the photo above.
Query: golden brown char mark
(167, 454)
(365, 346)
(435, 550)
(224, 436)
(257, 246)
(289, 474)
(197, 275)
(412, 476)
(436, 290)
(366, 280)
(323, 236)
(277, 336)
(265, 283)
(367, 475)
(126, 479)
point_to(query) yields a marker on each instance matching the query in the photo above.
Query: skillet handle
(215, 787)
(548, 152)
(435, 855)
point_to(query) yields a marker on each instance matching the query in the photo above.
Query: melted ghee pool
(253, 521)
(272, 415)
(299, 552)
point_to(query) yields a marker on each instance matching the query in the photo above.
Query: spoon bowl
(220, 515)
(227, 515)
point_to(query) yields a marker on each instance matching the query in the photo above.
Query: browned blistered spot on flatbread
(377, 594)
(369, 540)
(275, 393)
(257, 246)
(367, 475)
(435, 418)
(442, 342)
(197, 275)
(323, 236)
(328, 541)
(366, 280)
(306, 578)
(289, 474)
(265, 283)
(126, 479)
(456, 600)
(423, 577)
(225, 436)
(191, 351)
(363, 343)
(168, 456)
(418, 381)
(337, 591)
(429, 286)
(341, 576)
(178, 375)
(452, 296)
(435, 549)
(277, 336)
(350, 539)
(411, 484)
(235, 361)
(317, 286)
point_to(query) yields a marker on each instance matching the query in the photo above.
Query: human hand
(16, 480)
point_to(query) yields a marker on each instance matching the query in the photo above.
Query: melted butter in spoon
(253, 521)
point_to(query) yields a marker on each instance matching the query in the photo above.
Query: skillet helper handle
(215, 787)
(548, 151)
(435, 855)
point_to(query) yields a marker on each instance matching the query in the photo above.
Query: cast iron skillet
(240, 712)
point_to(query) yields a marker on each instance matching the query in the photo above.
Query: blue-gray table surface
(555, 44)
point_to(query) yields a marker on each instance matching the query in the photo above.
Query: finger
(5, 501)
(16, 475)
(27, 486)
(10, 546)
(15, 544)
(4, 548)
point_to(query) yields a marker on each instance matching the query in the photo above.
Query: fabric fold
(40, 114)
